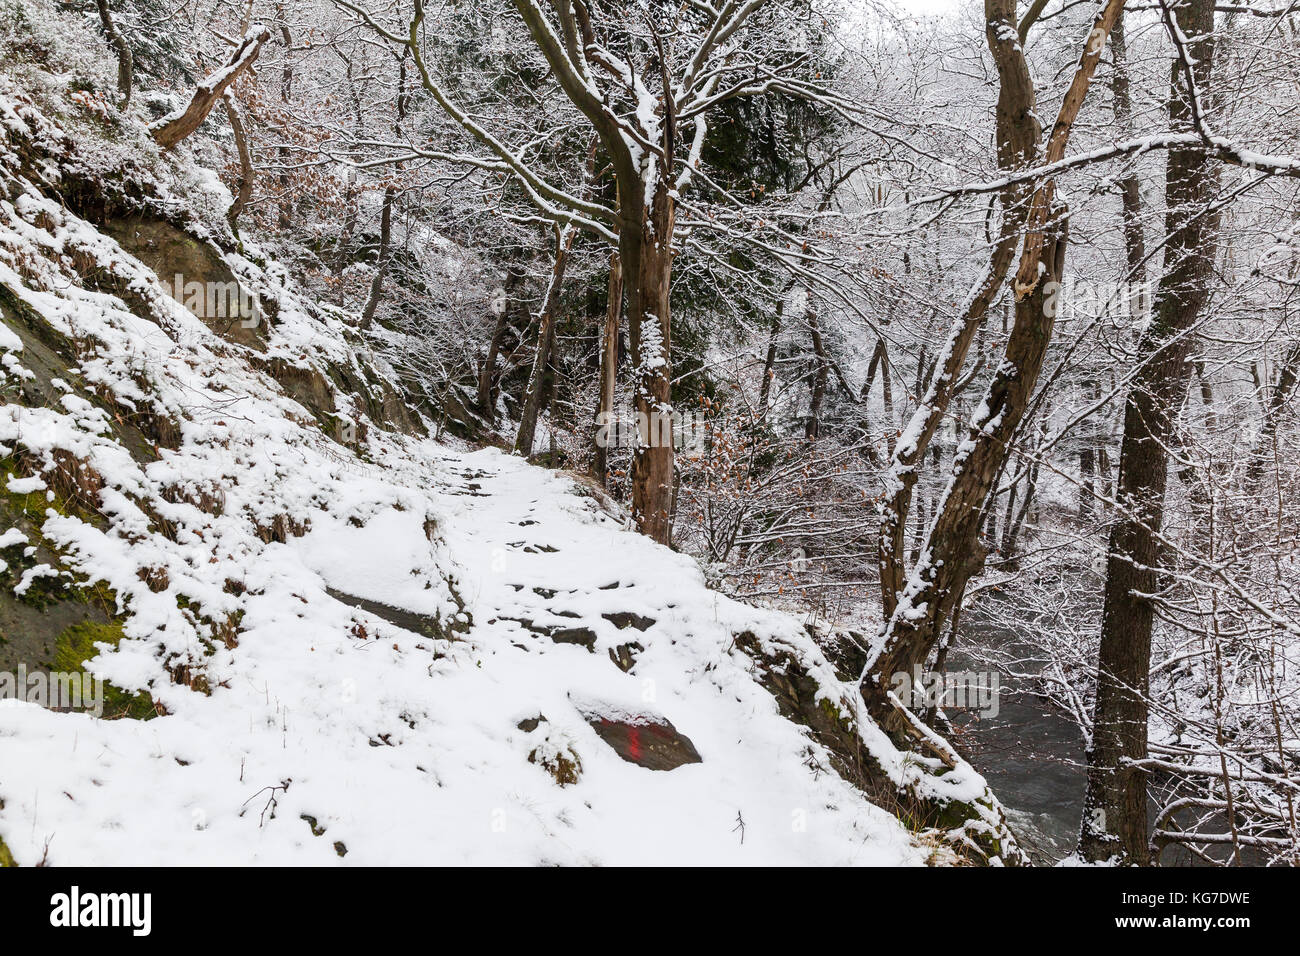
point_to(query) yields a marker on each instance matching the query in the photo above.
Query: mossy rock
(79, 644)
(563, 765)
(48, 355)
(6, 858)
(799, 698)
(34, 504)
(30, 624)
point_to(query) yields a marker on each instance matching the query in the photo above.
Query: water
(1031, 753)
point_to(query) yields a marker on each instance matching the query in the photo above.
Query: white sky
(928, 7)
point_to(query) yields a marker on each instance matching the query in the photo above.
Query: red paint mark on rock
(650, 742)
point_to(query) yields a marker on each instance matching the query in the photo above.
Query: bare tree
(1115, 809)
(643, 99)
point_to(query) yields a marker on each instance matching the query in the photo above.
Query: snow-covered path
(333, 735)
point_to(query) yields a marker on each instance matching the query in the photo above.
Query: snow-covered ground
(406, 749)
(345, 639)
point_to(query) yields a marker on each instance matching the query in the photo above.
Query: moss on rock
(79, 644)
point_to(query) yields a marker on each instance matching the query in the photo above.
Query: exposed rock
(588, 487)
(584, 636)
(575, 635)
(48, 355)
(799, 697)
(626, 619)
(196, 275)
(306, 385)
(624, 656)
(425, 624)
(378, 399)
(650, 742)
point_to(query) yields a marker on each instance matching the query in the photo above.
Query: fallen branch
(173, 128)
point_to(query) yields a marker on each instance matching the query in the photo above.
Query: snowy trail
(533, 557)
(397, 747)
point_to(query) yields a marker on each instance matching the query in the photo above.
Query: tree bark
(244, 190)
(170, 130)
(1087, 470)
(386, 213)
(1011, 539)
(952, 551)
(812, 428)
(385, 256)
(646, 250)
(1277, 402)
(1115, 805)
(488, 377)
(1018, 133)
(605, 425)
(769, 360)
(125, 61)
(536, 392)
(1130, 193)
(285, 213)
(545, 344)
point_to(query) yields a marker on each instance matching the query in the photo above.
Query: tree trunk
(769, 360)
(887, 393)
(1277, 401)
(385, 256)
(244, 190)
(170, 130)
(386, 214)
(1018, 133)
(1130, 194)
(645, 246)
(1011, 540)
(876, 356)
(1087, 468)
(125, 61)
(812, 428)
(952, 551)
(1115, 805)
(606, 429)
(487, 373)
(284, 217)
(545, 344)
(535, 396)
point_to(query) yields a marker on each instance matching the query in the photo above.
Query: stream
(1030, 752)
